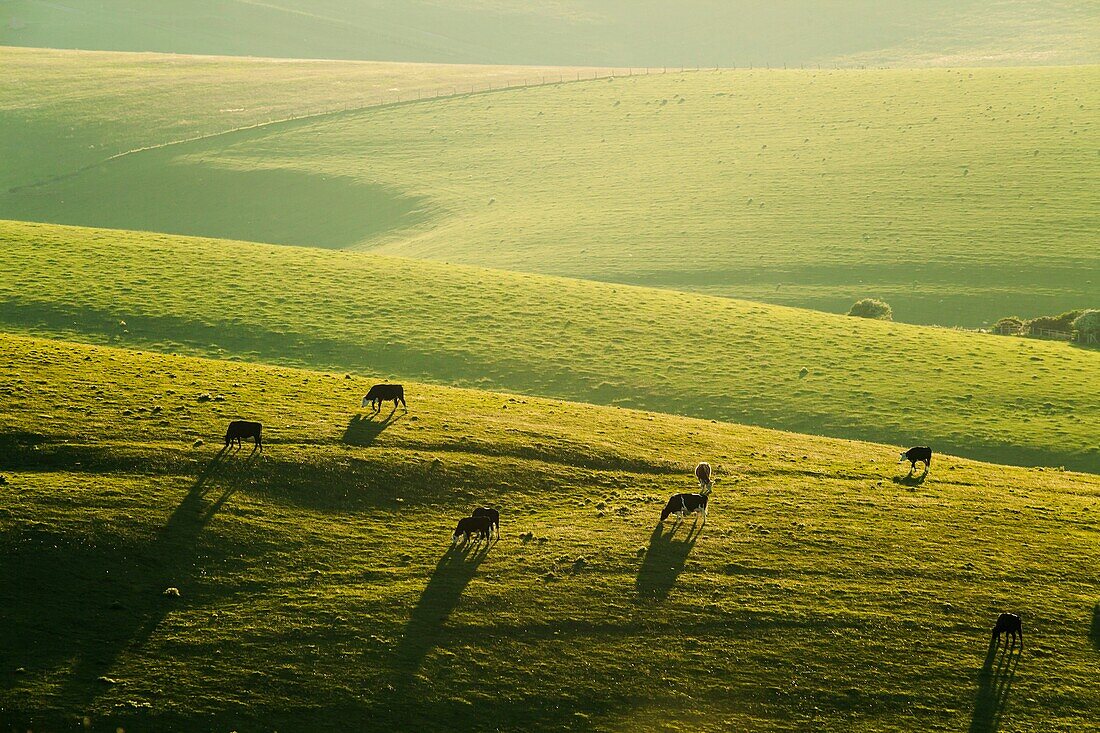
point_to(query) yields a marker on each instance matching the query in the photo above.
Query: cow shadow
(123, 617)
(1094, 629)
(363, 430)
(994, 682)
(424, 630)
(665, 558)
(912, 478)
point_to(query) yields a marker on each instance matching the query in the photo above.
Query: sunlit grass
(827, 590)
(998, 398)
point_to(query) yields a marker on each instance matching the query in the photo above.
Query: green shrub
(1062, 322)
(872, 308)
(1087, 326)
(1008, 326)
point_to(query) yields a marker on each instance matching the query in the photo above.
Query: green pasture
(61, 111)
(958, 196)
(828, 590)
(1011, 400)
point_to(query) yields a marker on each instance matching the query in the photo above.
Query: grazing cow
(685, 504)
(380, 393)
(469, 526)
(492, 514)
(244, 429)
(915, 455)
(1009, 623)
(703, 473)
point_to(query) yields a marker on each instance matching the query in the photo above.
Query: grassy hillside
(959, 197)
(316, 590)
(1001, 32)
(1012, 400)
(63, 110)
(610, 32)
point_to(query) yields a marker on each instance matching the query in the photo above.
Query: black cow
(244, 429)
(492, 514)
(380, 393)
(684, 504)
(469, 526)
(1009, 623)
(915, 455)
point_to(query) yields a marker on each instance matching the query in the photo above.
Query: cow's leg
(1021, 639)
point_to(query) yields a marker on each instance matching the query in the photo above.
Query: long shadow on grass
(452, 574)
(665, 559)
(994, 682)
(363, 430)
(1094, 630)
(100, 596)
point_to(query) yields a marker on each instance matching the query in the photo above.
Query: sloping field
(958, 196)
(1010, 400)
(609, 32)
(316, 590)
(63, 110)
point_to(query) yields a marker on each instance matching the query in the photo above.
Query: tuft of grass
(317, 590)
(966, 393)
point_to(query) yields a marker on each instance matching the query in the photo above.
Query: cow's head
(903, 455)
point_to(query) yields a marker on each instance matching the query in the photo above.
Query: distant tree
(872, 308)
(1087, 327)
(1062, 322)
(1009, 326)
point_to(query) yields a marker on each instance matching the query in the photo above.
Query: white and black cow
(915, 455)
(684, 504)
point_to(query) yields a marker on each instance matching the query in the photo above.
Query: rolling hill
(997, 398)
(957, 196)
(316, 589)
(61, 111)
(571, 32)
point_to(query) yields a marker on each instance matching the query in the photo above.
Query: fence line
(405, 96)
(382, 100)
